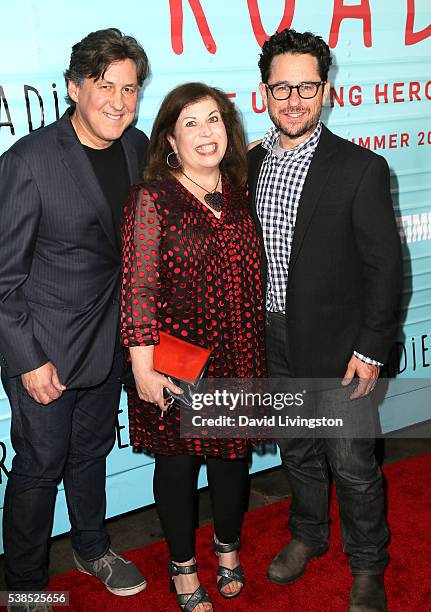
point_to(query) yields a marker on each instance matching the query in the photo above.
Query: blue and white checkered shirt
(279, 188)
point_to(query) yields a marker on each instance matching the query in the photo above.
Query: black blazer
(60, 263)
(345, 264)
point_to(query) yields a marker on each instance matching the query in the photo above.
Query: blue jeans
(69, 438)
(356, 473)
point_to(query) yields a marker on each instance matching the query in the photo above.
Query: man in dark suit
(332, 271)
(62, 191)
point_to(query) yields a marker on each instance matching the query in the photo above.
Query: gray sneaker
(36, 607)
(120, 576)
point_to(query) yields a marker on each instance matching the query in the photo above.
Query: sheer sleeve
(140, 279)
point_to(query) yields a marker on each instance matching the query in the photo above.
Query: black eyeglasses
(306, 90)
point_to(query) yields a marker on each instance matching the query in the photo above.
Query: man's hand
(367, 374)
(43, 384)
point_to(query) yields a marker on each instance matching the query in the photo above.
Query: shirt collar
(271, 142)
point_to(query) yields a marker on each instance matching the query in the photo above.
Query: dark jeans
(70, 439)
(175, 493)
(356, 474)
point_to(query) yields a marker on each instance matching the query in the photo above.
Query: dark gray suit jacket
(60, 264)
(345, 265)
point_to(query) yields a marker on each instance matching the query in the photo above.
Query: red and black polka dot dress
(196, 277)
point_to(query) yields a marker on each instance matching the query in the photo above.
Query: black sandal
(228, 575)
(187, 601)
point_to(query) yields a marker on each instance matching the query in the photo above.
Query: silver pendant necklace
(213, 198)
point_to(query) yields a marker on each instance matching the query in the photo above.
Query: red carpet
(325, 586)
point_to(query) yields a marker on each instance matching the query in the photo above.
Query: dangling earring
(170, 164)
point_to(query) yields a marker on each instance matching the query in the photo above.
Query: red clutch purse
(180, 359)
(182, 362)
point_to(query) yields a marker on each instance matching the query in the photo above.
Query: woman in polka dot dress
(192, 268)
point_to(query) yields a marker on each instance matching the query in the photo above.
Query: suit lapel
(79, 166)
(318, 172)
(131, 158)
(256, 158)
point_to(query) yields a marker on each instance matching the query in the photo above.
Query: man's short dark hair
(93, 55)
(290, 41)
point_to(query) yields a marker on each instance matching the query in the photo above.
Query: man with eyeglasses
(332, 271)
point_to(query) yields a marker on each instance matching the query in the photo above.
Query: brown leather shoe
(368, 594)
(291, 561)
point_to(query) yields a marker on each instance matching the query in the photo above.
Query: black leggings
(175, 494)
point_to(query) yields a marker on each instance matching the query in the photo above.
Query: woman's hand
(149, 383)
